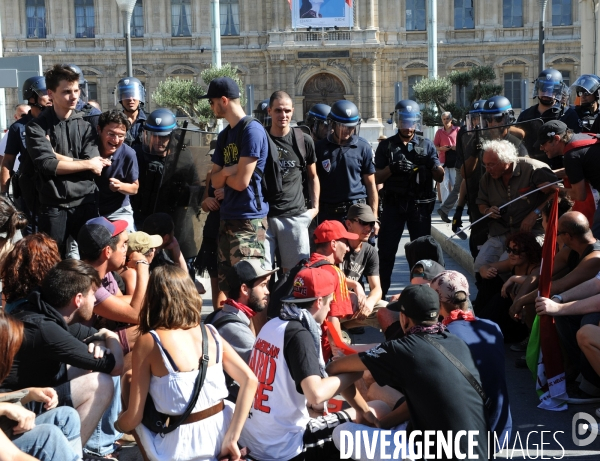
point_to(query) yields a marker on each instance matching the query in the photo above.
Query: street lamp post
(541, 51)
(126, 7)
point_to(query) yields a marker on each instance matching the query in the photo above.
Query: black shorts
(64, 399)
(318, 441)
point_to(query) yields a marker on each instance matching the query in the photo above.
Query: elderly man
(507, 177)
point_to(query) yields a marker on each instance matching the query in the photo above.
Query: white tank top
(278, 417)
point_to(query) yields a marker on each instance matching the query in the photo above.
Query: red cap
(332, 230)
(311, 283)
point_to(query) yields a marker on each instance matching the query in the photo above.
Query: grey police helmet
(130, 87)
(407, 115)
(548, 86)
(159, 132)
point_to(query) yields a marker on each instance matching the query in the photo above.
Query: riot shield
(530, 130)
(182, 184)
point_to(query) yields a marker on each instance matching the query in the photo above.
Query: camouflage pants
(239, 239)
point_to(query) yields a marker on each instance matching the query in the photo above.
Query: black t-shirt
(362, 262)
(300, 353)
(15, 144)
(291, 201)
(583, 163)
(438, 396)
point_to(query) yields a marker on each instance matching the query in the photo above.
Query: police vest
(417, 184)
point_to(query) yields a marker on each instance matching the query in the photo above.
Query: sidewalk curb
(455, 251)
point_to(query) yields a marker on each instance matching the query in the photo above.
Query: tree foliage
(184, 95)
(435, 93)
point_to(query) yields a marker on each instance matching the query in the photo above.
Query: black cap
(549, 129)
(431, 269)
(249, 270)
(418, 302)
(222, 86)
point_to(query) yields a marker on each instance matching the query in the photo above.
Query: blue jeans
(398, 213)
(55, 436)
(105, 435)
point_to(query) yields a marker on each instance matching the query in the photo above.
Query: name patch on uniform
(326, 165)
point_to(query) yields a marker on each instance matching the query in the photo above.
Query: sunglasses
(514, 251)
(364, 223)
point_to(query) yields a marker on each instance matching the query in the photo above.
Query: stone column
(370, 14)
(372, 109)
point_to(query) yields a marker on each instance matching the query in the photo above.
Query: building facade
(387, 44)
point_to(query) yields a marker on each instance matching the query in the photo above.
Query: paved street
(529, 422)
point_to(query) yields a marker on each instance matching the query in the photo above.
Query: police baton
(503, 206)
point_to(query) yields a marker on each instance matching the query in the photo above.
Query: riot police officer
(316, 121)
(131, 94)
(345, 165)
(587, 88)
(406, 164)
(262, 114)
(90, 113)
(169, 182)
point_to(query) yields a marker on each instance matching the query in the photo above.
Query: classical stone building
(387, 44)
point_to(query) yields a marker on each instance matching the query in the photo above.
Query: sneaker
(580, 397)
(520, 347)
(444, 215)
(521, 362)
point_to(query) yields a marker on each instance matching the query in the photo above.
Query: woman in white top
(165, 365)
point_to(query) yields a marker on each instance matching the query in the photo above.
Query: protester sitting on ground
(288, 359)
(103, 245)
(142, 243)
(118, 180)
(485, 342)
(493, 302)
(414, 368)
(54, 339)
(507, 176)
(48, 437)
(25, 267)
(331, 244)
(362, 261)
(422, 273)
(11, 221)
(166, 360)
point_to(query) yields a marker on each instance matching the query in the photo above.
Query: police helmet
(343, 113)
(497, 109)
(261, 114)
(587, 84)
(34, 87)
(316, 120)
(158, 131)
(83, 83)
(407, 115)
(130, 87)
(548, 85)
(473, 118)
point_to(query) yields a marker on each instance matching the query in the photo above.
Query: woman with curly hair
(25, 266)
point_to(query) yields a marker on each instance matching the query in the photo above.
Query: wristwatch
(558, 298)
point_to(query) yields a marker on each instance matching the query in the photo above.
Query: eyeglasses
(364, 223)
(514, 251)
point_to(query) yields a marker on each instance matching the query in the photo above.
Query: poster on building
(321, 13)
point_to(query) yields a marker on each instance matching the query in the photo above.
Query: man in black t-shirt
(423, 374)
(289, 216)
(362, 261)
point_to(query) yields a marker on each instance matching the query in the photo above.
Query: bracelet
(141, 261)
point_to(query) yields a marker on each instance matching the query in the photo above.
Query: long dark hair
(11, 337)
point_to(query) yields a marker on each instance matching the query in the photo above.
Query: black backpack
(284, 285)
(424, 247)
(223, 320)
(270, 178)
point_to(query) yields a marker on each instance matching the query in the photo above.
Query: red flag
(549, 250)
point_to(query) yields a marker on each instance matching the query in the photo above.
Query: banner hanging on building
(321, 13)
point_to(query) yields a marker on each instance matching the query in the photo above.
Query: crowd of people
(101, 323)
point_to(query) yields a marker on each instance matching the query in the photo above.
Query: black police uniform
(587, 119)
(134, 135)
(408, 198)
(340, 170)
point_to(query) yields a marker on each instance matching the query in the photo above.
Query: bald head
(575, 224)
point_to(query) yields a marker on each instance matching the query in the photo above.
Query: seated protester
(414, 367)
(573, 265)
(118, 180)
(331, 244)
(362, 261)
(524, 257)
(144, 244)
(54, 354)
(25, 267)
(508, 176)
(422, 273)
(11, 221)
(166, 368)
(103, 245)
(278, 426)
(485, 343)
(50, 436)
